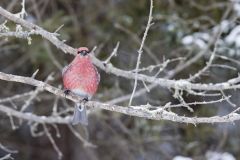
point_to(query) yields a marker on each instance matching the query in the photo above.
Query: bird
(81, 77)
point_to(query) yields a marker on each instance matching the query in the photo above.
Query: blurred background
(181, 29)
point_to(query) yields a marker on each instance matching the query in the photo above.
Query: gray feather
(80, 115)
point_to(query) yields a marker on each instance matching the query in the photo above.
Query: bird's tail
(80, 115)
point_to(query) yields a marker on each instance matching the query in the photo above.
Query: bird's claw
(66, 92)
(85, 99)
(82, 102)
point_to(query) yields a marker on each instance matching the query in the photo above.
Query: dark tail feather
(80, 115)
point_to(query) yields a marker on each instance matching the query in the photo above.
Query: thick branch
(138, 111)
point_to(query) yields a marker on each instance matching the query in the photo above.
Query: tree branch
(109, 68)
(138, 111)
(145, 111)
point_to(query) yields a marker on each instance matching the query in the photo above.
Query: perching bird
(81, 78)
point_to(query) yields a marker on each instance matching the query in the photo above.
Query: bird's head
(83, 51)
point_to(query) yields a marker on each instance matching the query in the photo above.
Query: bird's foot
(84, 100)
(66, 91)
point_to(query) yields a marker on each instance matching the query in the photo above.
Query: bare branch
(140, 50)
(76, 134)
(7, 149)
(7, 156)
(114, 53)
(138, 111)
(48, 134)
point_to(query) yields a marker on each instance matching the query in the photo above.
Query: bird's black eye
(83, 52)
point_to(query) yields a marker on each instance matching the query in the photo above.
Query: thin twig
(76, 134)
(140, 50)
(7, 149)
(114, 53)
(48, 134)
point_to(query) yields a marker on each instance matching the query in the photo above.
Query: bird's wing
(64, 69)
(98, 75)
